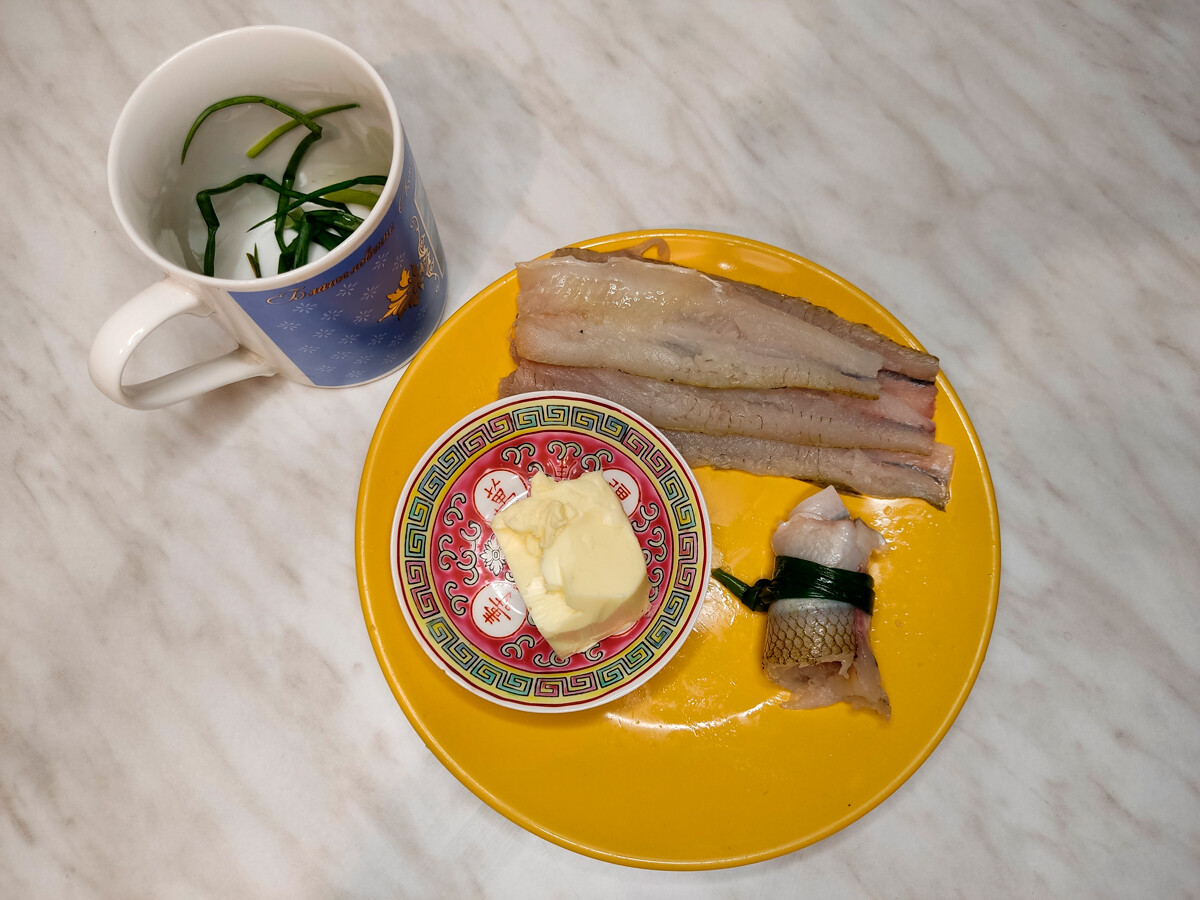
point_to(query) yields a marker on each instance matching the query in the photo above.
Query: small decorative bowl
(453, 584)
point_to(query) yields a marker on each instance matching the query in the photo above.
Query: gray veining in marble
(189, 703)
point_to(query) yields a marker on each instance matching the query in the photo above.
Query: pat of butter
(575, 559)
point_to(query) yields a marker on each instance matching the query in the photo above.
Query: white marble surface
(189, 703)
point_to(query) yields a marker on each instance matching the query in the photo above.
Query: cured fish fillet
(915, 364)
(920, 396)
(738, 376)
(816, 648)
(876, 473)
(677, 324)
(795, 415)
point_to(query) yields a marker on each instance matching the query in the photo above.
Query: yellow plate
(699, 768)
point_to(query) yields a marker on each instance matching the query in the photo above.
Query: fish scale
(807, 632)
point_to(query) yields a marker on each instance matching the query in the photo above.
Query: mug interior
(155, 194)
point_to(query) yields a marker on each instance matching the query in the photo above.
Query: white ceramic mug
(354, 314)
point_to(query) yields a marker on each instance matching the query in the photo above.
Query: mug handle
(125, 329)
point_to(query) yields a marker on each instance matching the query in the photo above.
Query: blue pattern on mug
(368, 315)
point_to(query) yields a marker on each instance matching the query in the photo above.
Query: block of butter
(575, 559)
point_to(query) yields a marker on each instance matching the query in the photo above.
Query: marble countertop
(189, 702)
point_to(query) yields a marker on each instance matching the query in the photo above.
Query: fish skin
(807, 632)
(873, 473)
(795, 415)
(824, 684)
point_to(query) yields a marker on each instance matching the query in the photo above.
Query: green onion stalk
(802, 579)
(327, 226)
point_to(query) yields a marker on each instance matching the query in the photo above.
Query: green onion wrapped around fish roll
(818, 607)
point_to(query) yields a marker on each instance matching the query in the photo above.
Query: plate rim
(629, 238)
(700, 591)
